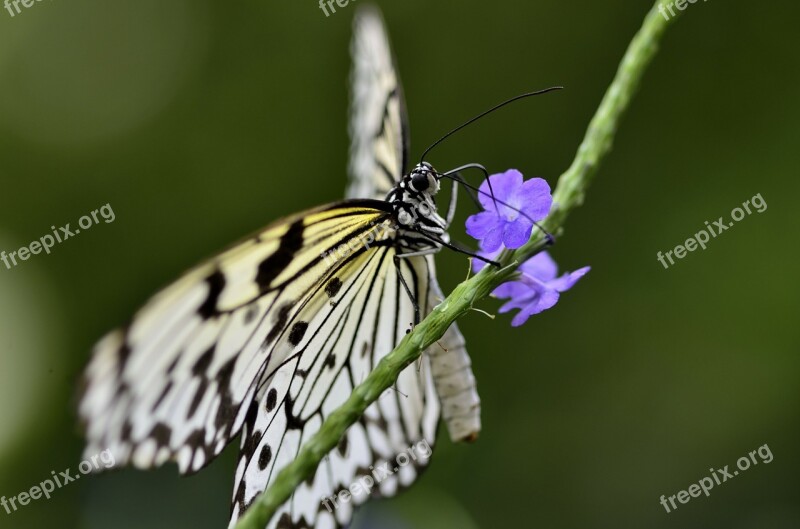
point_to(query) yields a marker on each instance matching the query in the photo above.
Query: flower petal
(545, 301)
(567, 281)
(504, 185)
(512, 289)
(535, 199)
(517, 233)
(521, 317)
(541, 266)
(493, 239)
(483, 223)
(514, 304)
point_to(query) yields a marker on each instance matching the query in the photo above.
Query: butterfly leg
(413, 299)
(451, 209)
(458, 249)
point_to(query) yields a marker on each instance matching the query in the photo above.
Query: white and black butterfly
(269, 337)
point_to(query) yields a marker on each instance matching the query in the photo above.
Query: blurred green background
(201, 121)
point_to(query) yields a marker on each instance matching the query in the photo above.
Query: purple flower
(537, 289)
(509, 220)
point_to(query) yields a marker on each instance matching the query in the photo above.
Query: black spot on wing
(198, 397)
(272, 266)
(330, 361)
(239, 500)
(297, 332)
(285, 522)
(125, 434)
(251, 443)
(226, 413)
(216, 284)
(280, 323)
(250, 314)
(333, 287)
(172, 366)
(250, 417)
(265, 457)
(201, 366)
(200, 370)
(124, 354)
(161, 433)
(380, 421)
(272, 399)
(195, 440)
(162, 396)
(342, 446)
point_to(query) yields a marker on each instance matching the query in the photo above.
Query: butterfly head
(423, 179)
(413, 203)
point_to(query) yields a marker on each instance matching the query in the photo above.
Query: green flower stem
(568, 195)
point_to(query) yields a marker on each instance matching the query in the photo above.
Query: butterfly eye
(420, 181)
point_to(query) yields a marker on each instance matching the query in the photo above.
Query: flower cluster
(511, 207)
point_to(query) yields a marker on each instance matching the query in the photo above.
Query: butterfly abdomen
(455, 384)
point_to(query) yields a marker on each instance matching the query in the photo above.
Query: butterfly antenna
(485, 113)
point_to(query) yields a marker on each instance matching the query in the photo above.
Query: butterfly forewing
(175, 384)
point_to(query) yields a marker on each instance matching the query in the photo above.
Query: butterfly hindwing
(378, 122)
(370, 317)
(379, 153)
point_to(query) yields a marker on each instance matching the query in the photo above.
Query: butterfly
(266, 339)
